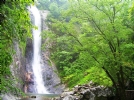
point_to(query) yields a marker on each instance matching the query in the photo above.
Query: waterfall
(36, 64)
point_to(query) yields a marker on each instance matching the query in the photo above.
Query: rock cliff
(18, 66)
(50, 74)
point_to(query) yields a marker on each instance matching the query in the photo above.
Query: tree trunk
(121, 85)
(120, 93)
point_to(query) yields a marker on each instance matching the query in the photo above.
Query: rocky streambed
(80, 92)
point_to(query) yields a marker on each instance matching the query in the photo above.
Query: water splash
(36, 65)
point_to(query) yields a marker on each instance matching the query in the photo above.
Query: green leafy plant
(15, 25)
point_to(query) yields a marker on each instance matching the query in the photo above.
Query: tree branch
(73, 36)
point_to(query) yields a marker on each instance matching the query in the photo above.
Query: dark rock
(69, 97)
(29, 55)
(33, 96)
(87, 92)
(31, 88)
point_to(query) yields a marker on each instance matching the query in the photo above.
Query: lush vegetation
(88, 40)
(14, 26)
(94, 40)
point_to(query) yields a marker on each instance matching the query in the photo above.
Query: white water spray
(36, 56)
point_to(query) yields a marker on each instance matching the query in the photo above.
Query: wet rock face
(31, 88)
(28, 87)
(29, 55)
(29, 49)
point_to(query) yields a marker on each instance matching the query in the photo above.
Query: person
(28, 80)
(29, 77)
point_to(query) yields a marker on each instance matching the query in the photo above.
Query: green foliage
(98, 32)
(131, 11)
(97, 75)
(14, 26)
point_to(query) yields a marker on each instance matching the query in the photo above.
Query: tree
(99, 33)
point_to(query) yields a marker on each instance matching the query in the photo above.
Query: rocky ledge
(87, 92)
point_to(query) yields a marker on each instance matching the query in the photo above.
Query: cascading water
(36, 65)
